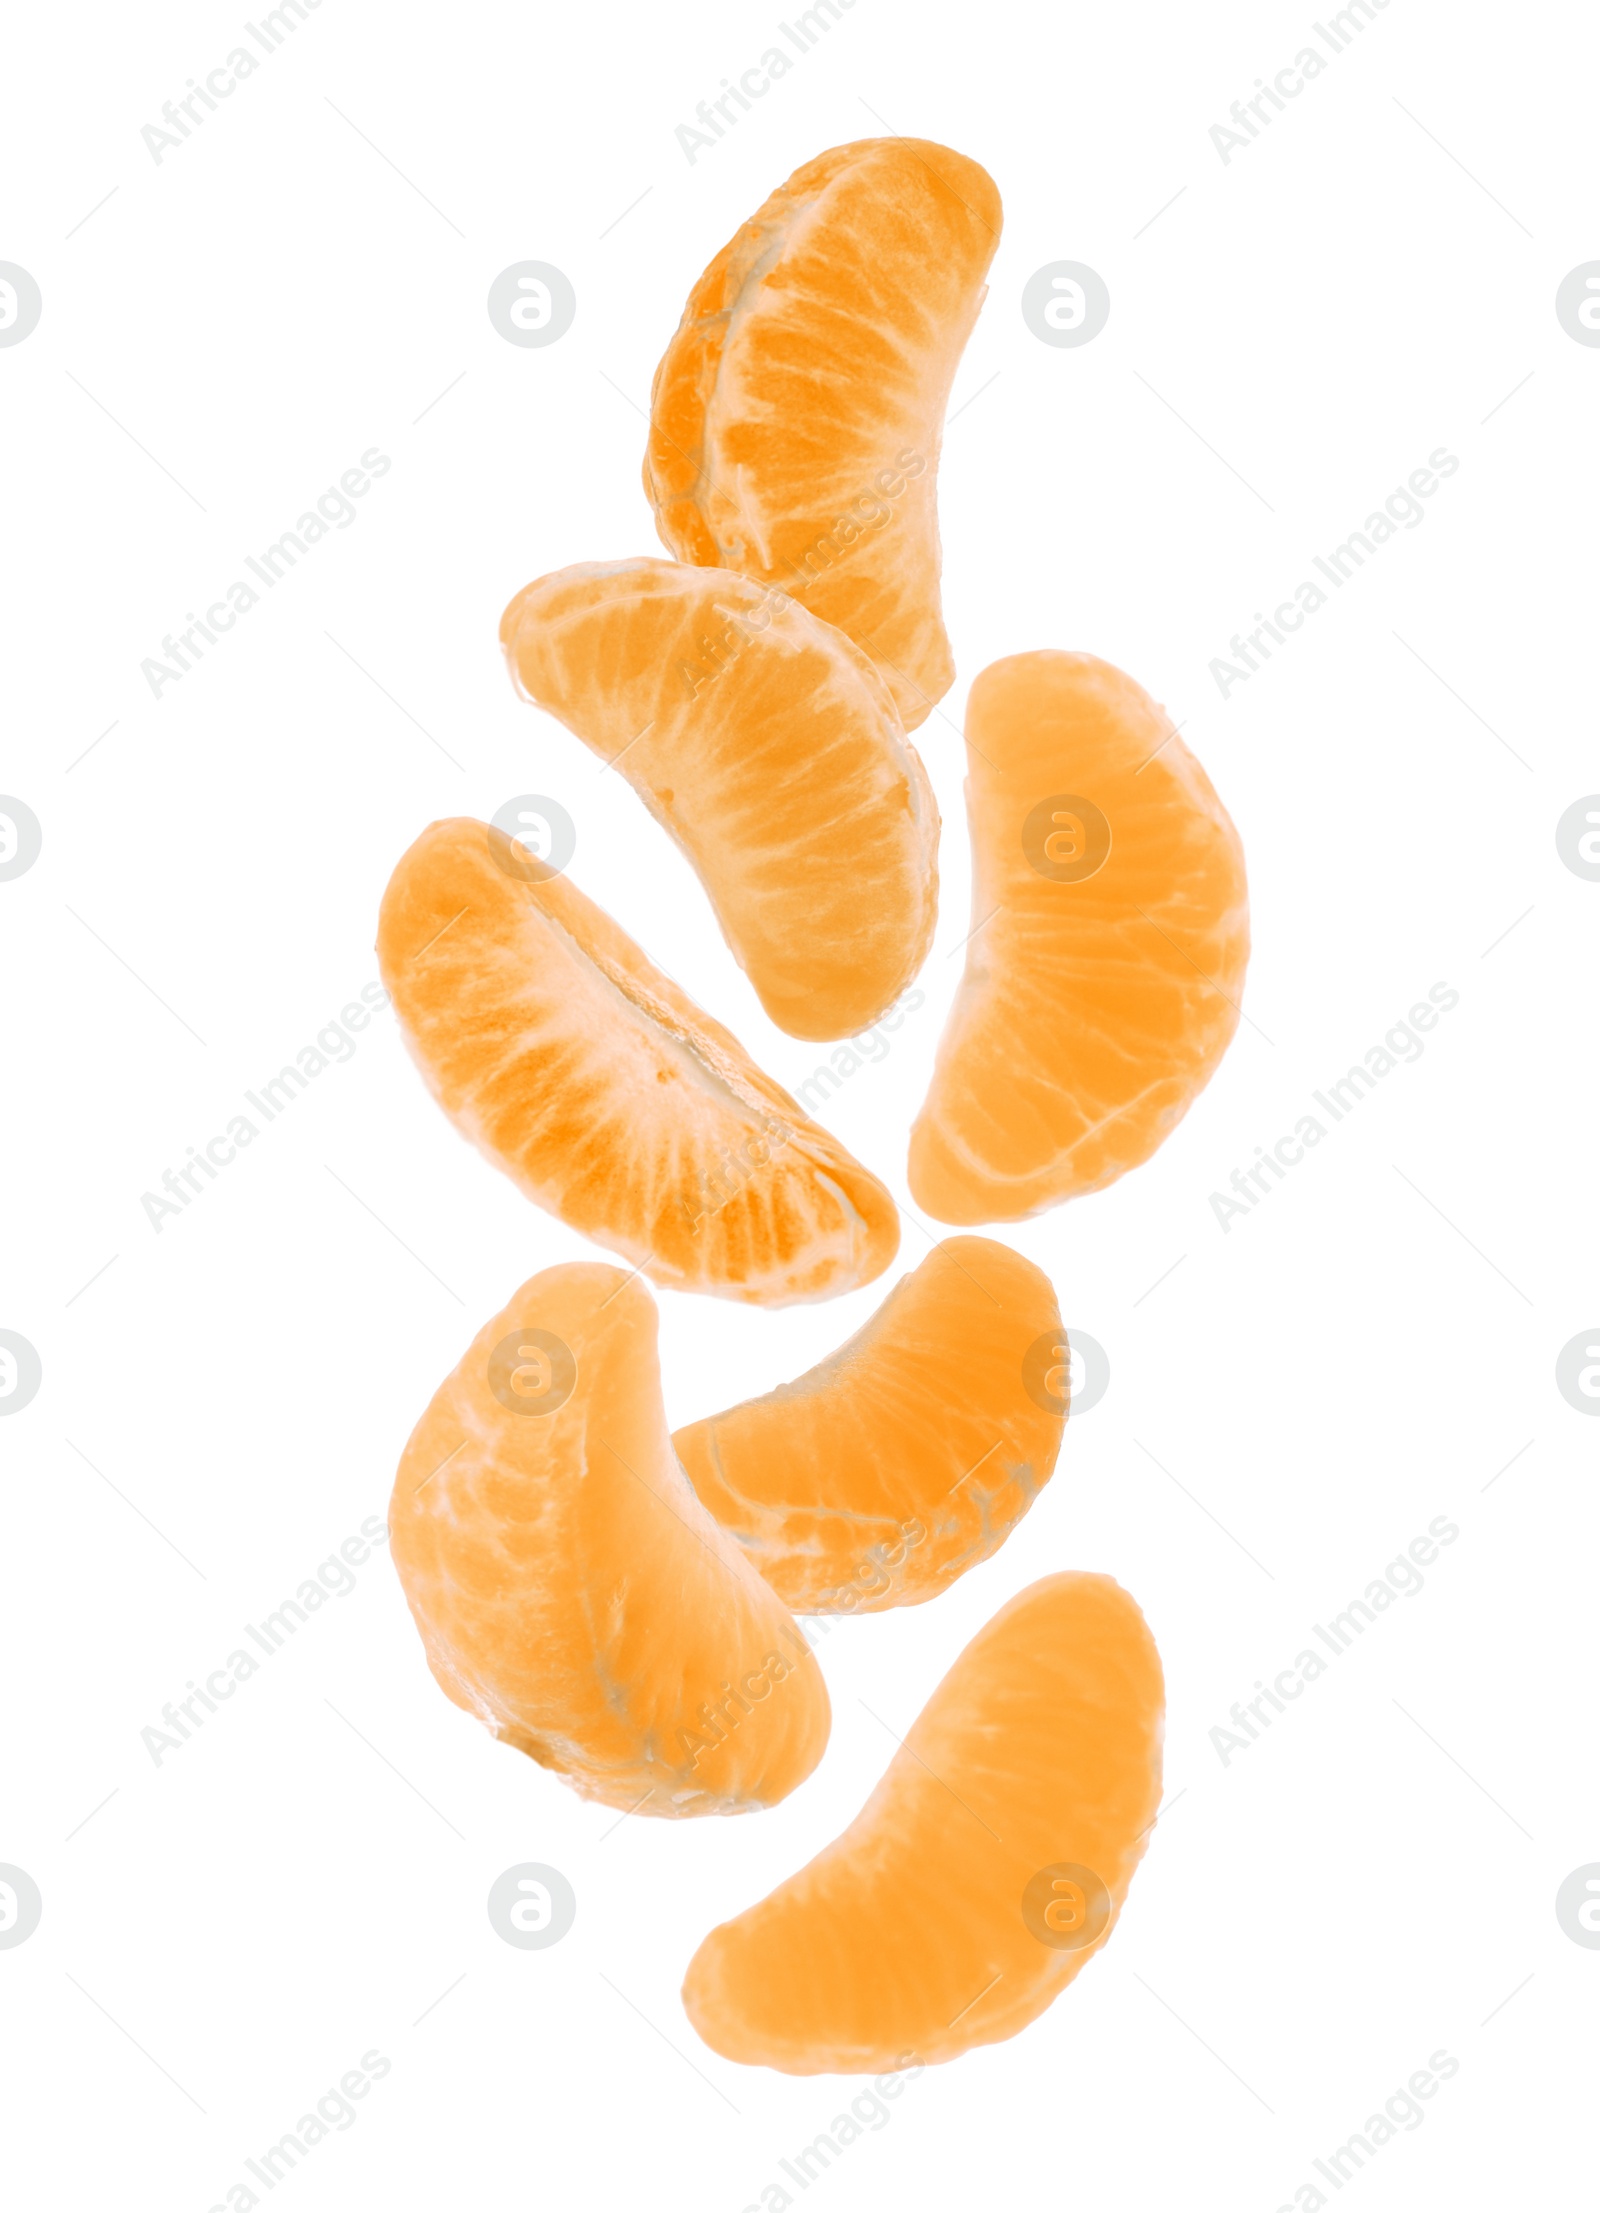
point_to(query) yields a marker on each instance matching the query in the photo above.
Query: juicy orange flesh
(796, 417)
(769, 747)
(611, 1099)
(905, 1457)
(571, 1591)
(1041, 1748)
(1091, 1012)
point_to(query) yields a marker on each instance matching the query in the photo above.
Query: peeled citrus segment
(908, 1455)
(605, 1093)
(796, 416)
(768, 745)
(571, 1591)
(1110, 936)
(987, 1867)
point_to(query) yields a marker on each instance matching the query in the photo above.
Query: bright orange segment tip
(1111, 931)
(605, 1093)
(571, 1591)
(908, 1455)
(768, 746)
(796, 417)
(989, 1865)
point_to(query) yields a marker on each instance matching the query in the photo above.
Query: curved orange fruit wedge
(603, 1090)
(908, 1455)
(767, 744)
(796, 416)
(1110, 936)
(571, 1591)
(986, 1868)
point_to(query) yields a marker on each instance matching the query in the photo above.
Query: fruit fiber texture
(768, 746)
(908, 1455)
(796, 416)
(986, 1869)
(1110, 938)
(605, 1093)
(571, 1592)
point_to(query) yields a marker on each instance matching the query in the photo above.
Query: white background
(227, 1934)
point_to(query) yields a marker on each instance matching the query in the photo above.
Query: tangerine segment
(605, 1093)
(1110, 937)
(796, 416)
(768, 745)
(987, 1867)
(908, 1455)
(571, 1591)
